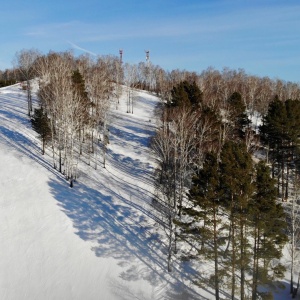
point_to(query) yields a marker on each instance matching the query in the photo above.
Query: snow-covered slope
(101, 239)
(98, 240)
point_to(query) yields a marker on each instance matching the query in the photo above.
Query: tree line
(216, 85)
(222, 203)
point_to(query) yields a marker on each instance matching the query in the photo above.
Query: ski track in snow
(99, 240)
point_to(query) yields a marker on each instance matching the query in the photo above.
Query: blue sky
(260, 36)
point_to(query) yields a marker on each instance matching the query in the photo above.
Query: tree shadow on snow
(24, 146)
(133, 134)
(120, 231)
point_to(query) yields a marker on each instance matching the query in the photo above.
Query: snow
(99, 240)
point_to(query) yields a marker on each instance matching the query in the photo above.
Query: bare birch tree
(162, 146)
(24, 60)
(99, 87)
(130, 80)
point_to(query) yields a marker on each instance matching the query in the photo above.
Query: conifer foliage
(268, 229)
(221, 207)
(233, 220)
(236, 184)
(280, 133)
(186, 94)
(205, 220)
(40, 123)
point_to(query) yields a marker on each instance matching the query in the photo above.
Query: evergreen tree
(79, 84)
(186, 94)
(205, 202)
(236, 171)
(237, 115)
(273, 132)
(179, 96)
(293, 134)
(194, 94)
(280, 132)
(269, 225)
(40, 123)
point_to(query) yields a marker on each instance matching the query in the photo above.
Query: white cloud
(81, 49)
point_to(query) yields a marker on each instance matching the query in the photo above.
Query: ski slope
(101, 239)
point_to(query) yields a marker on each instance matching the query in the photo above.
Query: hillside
(98, 240)
(101, 239)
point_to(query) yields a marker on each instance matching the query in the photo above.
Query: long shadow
(136, 123)
(116, 227)
(133, 168)
(277, 291)
(141, 131)
(25, 146)
(122, 191)
(120, 231)
(14, 117)
(141, 141)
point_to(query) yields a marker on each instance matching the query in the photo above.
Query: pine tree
(269, 227)
(194, 94)
(179, 96)
(205, 194)
(186, 94)
(237, 115)
(40, 123)
(236, 171)
(280, 131)
(273, 132)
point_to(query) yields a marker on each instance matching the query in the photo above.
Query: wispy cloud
(81, 49)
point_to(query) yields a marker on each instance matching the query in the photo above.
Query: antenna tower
(121, 55)
(147, 56)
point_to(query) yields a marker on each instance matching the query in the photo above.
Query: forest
(227, 152)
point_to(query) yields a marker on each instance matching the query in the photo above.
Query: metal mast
(121, 55)
(147, 56)
(148, 75)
